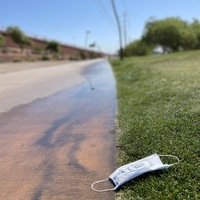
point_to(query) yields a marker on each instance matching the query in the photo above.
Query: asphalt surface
(55, 144)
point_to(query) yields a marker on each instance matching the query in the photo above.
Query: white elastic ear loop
(105, 190)
(172, 157)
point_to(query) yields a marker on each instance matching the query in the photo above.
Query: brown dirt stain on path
(56, 147)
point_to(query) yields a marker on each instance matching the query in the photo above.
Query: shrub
(82, 55)
(53, 47)
(137, 48)
(45, 58)
(17, 60)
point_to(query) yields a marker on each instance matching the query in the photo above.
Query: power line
(104, 13)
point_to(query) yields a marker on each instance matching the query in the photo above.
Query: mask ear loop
(172, 157)
(101, 181)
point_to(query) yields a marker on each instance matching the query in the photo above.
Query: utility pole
(86, 38)
(119, 29)
(125, 30)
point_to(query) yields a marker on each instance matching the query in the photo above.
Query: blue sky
(68, 20)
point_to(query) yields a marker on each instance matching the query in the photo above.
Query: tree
(1, 40)
(195, 25)
(188, 38)
(18, 37)
(53, 47)
(137, 48)
(170, 33)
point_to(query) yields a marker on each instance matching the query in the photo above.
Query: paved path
(22, 87)
(55, 147)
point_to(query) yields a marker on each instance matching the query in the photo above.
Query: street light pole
(119, 29)
(86, 38)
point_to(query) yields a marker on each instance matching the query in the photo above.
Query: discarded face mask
(129, 171)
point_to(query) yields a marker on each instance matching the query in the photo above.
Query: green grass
(159, 111)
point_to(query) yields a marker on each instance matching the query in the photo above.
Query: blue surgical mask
(129, 171)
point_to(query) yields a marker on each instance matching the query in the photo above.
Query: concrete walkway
(37, 81)
(56, 147)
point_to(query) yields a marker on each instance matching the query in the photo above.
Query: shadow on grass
(142, 177)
